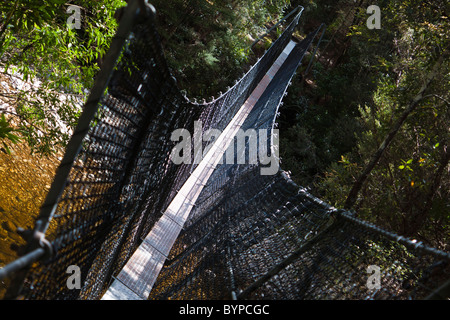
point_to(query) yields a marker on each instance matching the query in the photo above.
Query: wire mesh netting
(249, 235)
(252, 236)
(276, 232)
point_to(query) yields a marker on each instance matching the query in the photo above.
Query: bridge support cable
(337, 219)
(313, 55)
(299, 9)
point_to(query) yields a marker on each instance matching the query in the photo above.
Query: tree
(207, 43)
(57, 63)
(349, 202)
(396, 175)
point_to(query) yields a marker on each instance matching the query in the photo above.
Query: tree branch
(420, 217)
(8, 18)
(352, 196)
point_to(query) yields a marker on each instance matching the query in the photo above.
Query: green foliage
(209, 41)
(361, 83)
(6, 132)
(26, 15)
(40, 48)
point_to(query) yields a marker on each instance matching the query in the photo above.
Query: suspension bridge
(138, 226)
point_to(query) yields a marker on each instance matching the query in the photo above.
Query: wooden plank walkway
(135, 280)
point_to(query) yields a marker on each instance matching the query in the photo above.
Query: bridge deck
(136, 279)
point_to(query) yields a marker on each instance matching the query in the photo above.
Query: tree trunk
(7, 20)
(352, 196)
(419, 219)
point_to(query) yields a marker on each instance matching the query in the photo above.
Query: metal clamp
(36, 239)
(37, 248)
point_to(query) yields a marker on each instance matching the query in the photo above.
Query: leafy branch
(6, 132)
(352, 196)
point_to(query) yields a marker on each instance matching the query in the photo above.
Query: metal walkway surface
(136, 279)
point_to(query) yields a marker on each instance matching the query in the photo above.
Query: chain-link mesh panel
(265, 228)
(350, 262)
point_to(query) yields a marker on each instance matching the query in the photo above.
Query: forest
(365, 127)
